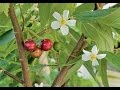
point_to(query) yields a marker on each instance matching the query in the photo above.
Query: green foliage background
(97, 26)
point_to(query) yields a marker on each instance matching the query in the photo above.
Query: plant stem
(20, 42)
(23, 19)
(12, 76)
(58, 82)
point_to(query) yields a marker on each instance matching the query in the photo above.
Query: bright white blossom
(83, 72)
(38, 85)
(93, 55)
(62, 22)
(109, 5)
(113, 34)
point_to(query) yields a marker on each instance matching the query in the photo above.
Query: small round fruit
(30, 45)
(57, 46)
(46, 44)
(37, 53)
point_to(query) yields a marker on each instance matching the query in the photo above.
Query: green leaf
(12, 46)
(62, 57)
(72, 70)
(113, 59)
(103, 72)
(84, 7)
(89, 67)
(90, 16)
(4, 8)
(100, 33)
(4, 21)
(112, 19)
(7, 37)
(44, 12)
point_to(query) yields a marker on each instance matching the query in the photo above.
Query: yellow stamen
(63, 21)
(93, 56)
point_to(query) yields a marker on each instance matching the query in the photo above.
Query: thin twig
(12, 76)
(58, 82)
(19, 39)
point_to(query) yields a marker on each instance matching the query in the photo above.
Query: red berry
(30, 45)
(46, 44)
(37, 53)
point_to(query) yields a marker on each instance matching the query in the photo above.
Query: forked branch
(19, 39)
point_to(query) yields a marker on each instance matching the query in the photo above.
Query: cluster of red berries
(36, 50)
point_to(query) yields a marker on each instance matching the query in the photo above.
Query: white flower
(38, 85)
(93, 55)
(35, 7)
(114, 35)
(62, 22)
(83, 72)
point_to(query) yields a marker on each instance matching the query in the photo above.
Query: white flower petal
(55, 25)
(83, 72)
(71, 22)
(36, 85)
(101, 56)
(86, 52)
(41, 84)
(64, 29)
(94, 50)
(65, 14)
(57, 16)
(86, 57)
(95, 63)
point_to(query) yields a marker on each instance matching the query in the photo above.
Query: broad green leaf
(84, 7)
(12, 46)
(74, 34)
(7, 37)
(101, 34)
(4, 21)
(44, 12)
(113, 18)
(4, 8)
(90, 16)
(103, 72)
(113, 59)
(89, 67)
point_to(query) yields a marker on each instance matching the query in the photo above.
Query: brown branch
(58, 82)
(23, 20)
(12, 76)
(19, 39)
(98, 6)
